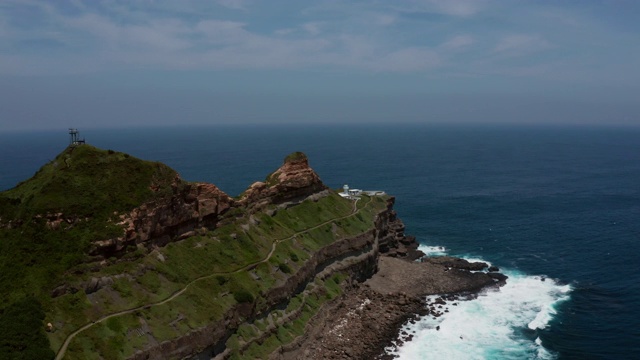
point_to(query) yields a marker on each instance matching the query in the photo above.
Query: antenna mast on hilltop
(75, 139)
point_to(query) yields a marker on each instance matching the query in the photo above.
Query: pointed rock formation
(294, 180)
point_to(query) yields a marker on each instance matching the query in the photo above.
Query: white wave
(433, 250)
(499, 324)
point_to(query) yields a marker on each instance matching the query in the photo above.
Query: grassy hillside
(236, 263)
(84, 186)
(229, 265)
(85, 181)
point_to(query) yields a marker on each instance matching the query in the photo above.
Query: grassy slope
(84, 184)
(213, 258)
(91, 184)
(85, 181)
(87, 185)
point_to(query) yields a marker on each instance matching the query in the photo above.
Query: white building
(350, 193)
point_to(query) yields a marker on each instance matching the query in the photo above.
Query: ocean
(556, 208)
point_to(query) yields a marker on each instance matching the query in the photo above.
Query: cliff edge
(129, 261)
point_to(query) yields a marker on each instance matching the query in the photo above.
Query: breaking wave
(498, 324)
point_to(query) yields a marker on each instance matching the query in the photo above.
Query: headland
(122, 259)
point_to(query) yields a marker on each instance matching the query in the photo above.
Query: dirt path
(65, 345)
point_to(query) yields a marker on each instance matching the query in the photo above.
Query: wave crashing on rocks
(495, 324)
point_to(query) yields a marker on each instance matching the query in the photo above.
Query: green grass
(219, 254)
(21, 331)
(287, 332)
(85, 181)
(84, 186)
(208, 299)
(295, 156)
(34, 257)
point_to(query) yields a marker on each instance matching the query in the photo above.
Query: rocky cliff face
(193, 209)
(294, 180)
(192, 206)
(197, 206)
(395, 243)
(357, 256)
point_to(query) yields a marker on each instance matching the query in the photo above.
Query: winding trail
(65, 345)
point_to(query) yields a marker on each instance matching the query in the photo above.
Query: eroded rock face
(355, 256)
(190, 208)
(295, 179)
(394, 242)
(199, 205)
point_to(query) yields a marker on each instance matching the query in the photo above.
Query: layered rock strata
(357, 256)
(383, 288)
(194, 206)
(191, 207)
(368, 317)
(294, 180)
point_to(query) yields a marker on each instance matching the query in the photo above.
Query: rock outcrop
(196, 206)
(456, 263)
(191, 207)
(294, 180)
(368, 317)
(395, 242)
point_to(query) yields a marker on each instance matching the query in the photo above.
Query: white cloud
(335, 35)
(458, 42)
(222, 31)
(384, 19)
(312, 28)
(284, 32)
(408, 60)
(521, 44)
(161, 35)
(234, 4)
(459, 8)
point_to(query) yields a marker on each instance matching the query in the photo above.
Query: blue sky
(136, 63)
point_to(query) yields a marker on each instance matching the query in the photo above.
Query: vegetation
(217, 270)
(296, 156)
(308, 303)
(84, 181)
(56, 214)
(22, 332)
(242, 296)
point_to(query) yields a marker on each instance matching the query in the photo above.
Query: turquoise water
(559, 203)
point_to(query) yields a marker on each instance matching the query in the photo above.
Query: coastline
(369, 316)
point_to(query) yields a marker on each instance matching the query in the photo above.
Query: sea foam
(499, 324)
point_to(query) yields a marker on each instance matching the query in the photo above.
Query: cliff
(181, 269)
(190, 208)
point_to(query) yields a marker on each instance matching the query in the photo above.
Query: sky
(112, 63)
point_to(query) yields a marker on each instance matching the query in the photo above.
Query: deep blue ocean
(553, 203)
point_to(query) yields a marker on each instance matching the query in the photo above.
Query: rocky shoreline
(369, 316)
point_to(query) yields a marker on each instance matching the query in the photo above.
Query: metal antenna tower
(75, 139)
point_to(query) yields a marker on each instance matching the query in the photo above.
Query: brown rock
(191, 207)
(294, 180)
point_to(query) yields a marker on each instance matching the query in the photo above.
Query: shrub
(295, 156)
(284, 268)
(221, 280)
(242, 296)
